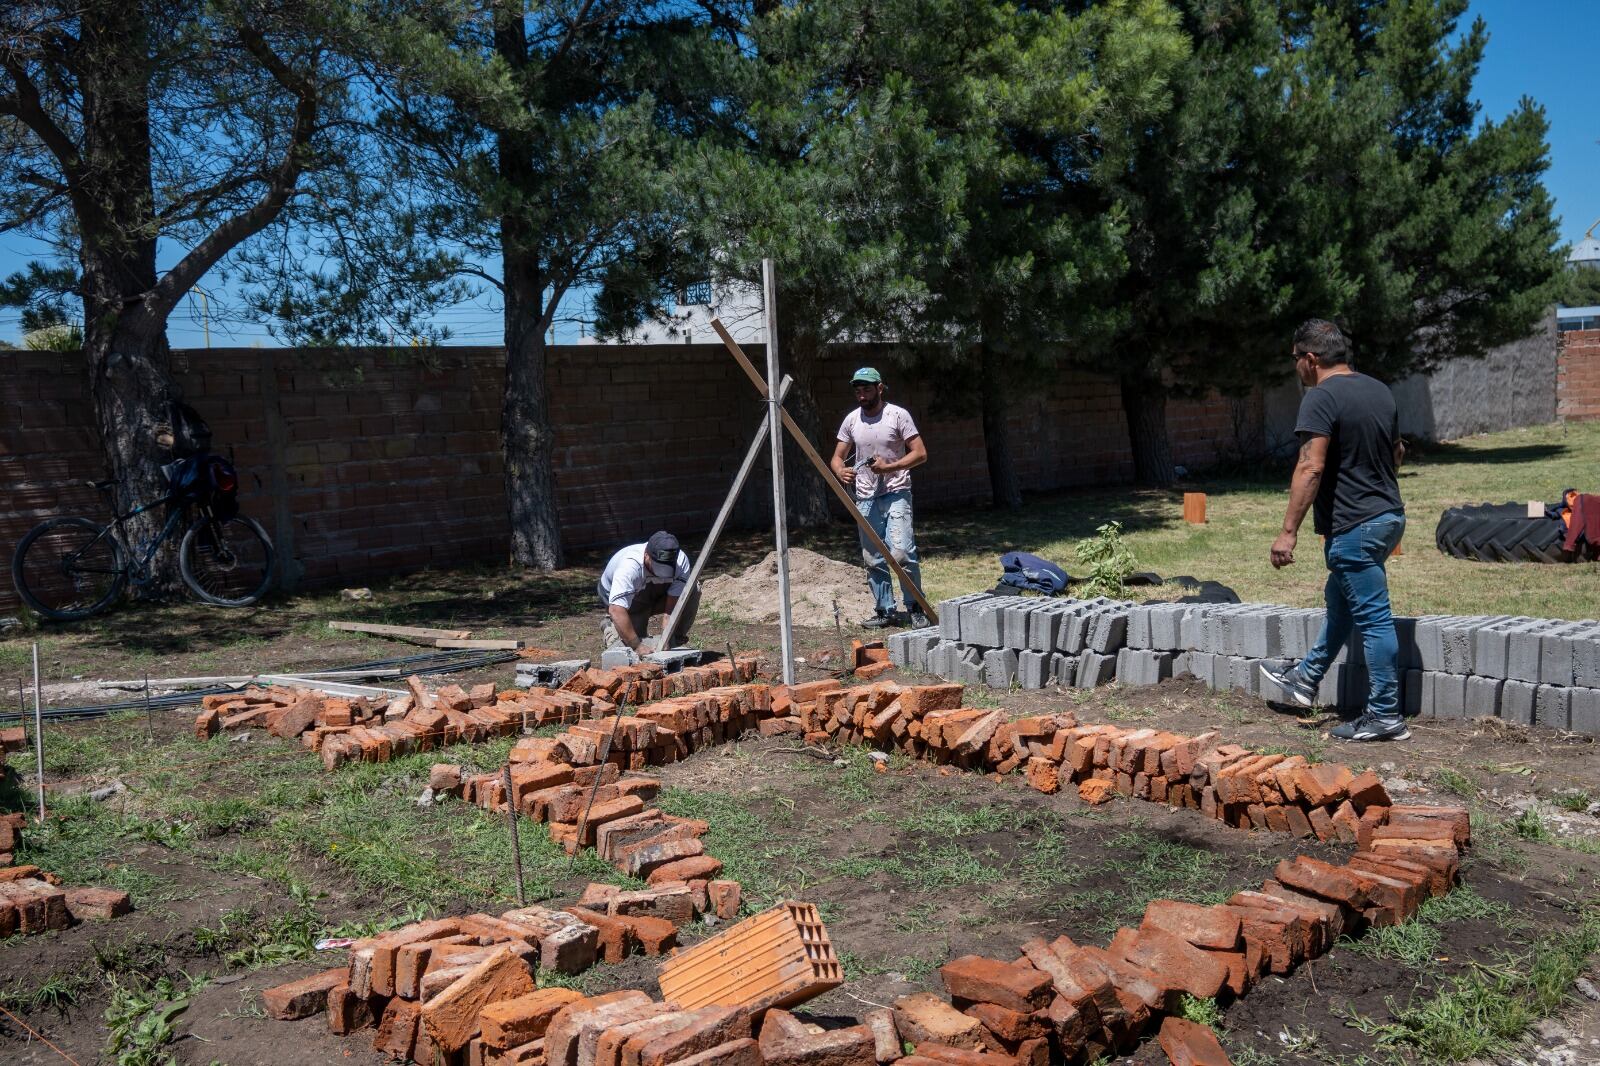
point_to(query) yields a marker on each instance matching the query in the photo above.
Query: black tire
(1500, 533)
(226, 563)
(65, 569)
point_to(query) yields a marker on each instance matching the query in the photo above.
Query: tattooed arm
(1302, 490)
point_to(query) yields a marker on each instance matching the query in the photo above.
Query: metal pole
(750, 456)
(516, 840)
(780, 516)
(38, 729)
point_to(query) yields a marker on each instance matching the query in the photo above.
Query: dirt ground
(241, 853)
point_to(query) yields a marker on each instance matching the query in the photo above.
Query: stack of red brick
(595, 806)
(1068, 1001)
(31, 901)
(646, 682)
(363, 729)
(1284, 793)
(463, 990)
(11, 836)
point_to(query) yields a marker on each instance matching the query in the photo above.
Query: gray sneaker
(1371, 727)
(1291, 684)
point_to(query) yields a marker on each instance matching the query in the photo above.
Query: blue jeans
(889, 516)
(1357, 596)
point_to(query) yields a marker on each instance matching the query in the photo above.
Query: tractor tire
(1500, 533)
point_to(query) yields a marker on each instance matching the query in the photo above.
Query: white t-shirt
(883, 435)
(626, 574)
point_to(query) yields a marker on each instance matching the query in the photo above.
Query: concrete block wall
(1532, 671)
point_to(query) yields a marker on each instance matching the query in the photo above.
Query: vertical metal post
(38, 729)
(780, 514)
(516, 839)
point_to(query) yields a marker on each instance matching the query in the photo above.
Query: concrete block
(1000, 667)
(1180, 664)
(1411, 692)
(1256, 631)
(1516, 701)
(1143, 667)
(1586, 659)
(1033, 669)
(1192, 627)
(1043, 623)
(1095, 669)
(1166, 622)
(969, 665)
(1491, 646)
(1075, 630)
(1483, 696)
(1552, 706)
(1558, 653)
(950, 613)
(1449, 695)
(1109, 630)
(1064, 668)
(1522, 657)
(1292, 642)
(1202, 664)
(1585, 711)
(1243, 675)
(980, 622)
(1430, 642)
(1138, 636)
(1456, 642)
(1405, 632)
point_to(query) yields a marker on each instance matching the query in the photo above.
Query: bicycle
(70, 568)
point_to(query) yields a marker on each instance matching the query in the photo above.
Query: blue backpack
(1033, 574)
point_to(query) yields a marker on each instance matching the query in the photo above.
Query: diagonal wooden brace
(827, 475)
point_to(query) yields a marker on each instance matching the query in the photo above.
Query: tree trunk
(1144, 402)
(806, 495)
(1005, 488)
(125, 342)
(527, 436)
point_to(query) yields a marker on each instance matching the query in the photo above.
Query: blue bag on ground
(1033, 574)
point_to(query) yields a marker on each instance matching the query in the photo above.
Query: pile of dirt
(814, 582)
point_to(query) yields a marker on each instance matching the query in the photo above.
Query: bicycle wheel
(68, 568)
(228, 563)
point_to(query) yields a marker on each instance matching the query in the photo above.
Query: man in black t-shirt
(1350, 448)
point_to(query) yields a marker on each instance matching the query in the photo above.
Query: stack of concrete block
(1532, 671)
(1026, 641)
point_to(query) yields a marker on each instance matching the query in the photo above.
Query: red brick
(1323, 783)
(511, 1022)
(302, 998)
(925, 1017)
(1009, 1024)
(744, 1052)
(1191, 1044)
(885, 1037)
(397, 1028)
(451, 1018)
(1205, 927)
(1095, 791)
(100, 903)
(723, 896)
(713, 1026)
(1323, 880)
(1366, 790)
(1176, 962)
(979, 979)
(655, 935)
(786, 1042)
(954, 1056)
(347, 1011)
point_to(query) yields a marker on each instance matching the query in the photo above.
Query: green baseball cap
(868, 375)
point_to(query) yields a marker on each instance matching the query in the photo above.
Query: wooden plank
(827, 475)
(401, 631)
(482, 644)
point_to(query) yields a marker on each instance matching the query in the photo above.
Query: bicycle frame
(139, 558)
(137, 564)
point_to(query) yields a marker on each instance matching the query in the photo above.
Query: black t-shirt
(1358, 416)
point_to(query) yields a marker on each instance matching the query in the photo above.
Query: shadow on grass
(1445, 453)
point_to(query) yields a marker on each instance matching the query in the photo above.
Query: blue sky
(1538, 48)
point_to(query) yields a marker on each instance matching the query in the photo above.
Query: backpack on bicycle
(209, 481)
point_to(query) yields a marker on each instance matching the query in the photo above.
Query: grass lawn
(960, 550)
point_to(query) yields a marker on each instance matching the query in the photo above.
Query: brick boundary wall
(362, 463)
(1578, 376)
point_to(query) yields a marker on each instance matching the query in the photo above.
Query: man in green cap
(886, 445)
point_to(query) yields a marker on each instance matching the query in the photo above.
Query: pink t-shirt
(883, 435)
